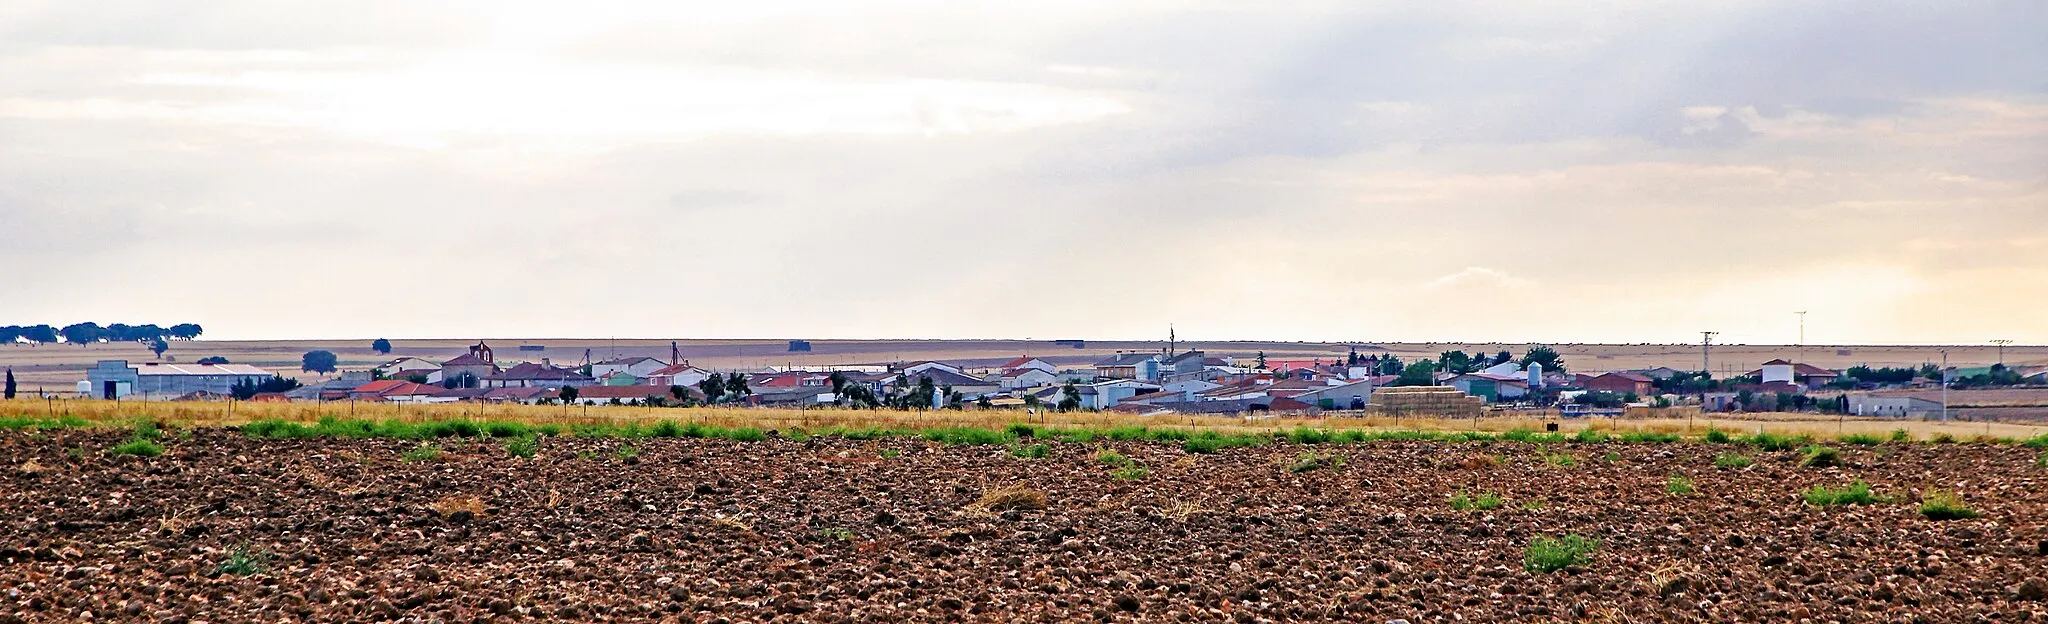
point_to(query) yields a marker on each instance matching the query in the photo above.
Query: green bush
(1858, 493)
(1590, 436)
(137, 447)
(1678, 484)
(889, 453)
(743, 434)
(1022, 430)
(1939, 505)
(1772, 442)
(1130, 473)
(1305, 435)
(1860, 439)
(1943, 438)
(1035, 451)
(1717, 436)
(244, 561)
(426, 451)
(1546, 555)
(1901, 435)
(666, 429)
(2039, 442)
(1817, 456)
(1483, 502)
(1125, 433)
(627, 451)
(523, 446)
(27, 422)
(1112, 458)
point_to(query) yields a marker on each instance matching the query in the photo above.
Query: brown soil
(828, 530)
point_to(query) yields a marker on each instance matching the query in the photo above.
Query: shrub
(1125, 433)
(1022, 430)
(1112, 458)
(666, 429)
(1732, 460)
(523, 446)
(1717, 436)
(1611, 457)
(426, 451)
(1859, 439)
(955, 436)
(1767, 441)
(1546, 555)
(502, 429)
(1559, 459)
(1590, 435)
(1130, 473)
(2039, 442)
(2041, 461)
(1202, 445)
(1858, 493)
(1818, 456)
(1943, 438)
(147, 430)
(1649, 437)
(244, 561)
(1678, 484)
(1305, 435)
(1901, 435)
(627, 452)
(889, 453)
(1939, 505)
(836, 534)
(1035, 451)
(1525, 435)
(137, 447)
(743, 434)
(1483, 502)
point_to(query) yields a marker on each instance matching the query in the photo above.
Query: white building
(113, 379)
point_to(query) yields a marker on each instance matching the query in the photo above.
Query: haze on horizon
(1447, 171)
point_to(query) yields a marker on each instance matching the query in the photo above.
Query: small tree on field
(158, 346)
(1548, 357)
(713, 388)
(736, 385)
(318, 362)
(569, 394)
(8, 392)
(1070, 398)
(1262, 360)
(381, 346)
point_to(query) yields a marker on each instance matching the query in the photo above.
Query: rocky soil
(829, 529)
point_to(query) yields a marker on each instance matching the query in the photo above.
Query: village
(1170, 380)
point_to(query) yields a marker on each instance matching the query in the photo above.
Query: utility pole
(2001, 349)
(1707, 351)
(1800, 351)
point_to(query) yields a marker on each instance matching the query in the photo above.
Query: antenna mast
(2001, 349)
(1707, 352)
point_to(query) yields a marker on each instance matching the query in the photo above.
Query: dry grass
(731, 522)
(448, 506)
(30, 467)
(1011, 497)
(1181, 510)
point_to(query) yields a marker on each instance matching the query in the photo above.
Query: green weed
(1717, 436)
(524, 446)
(244, 561)
(1859, 439)
(1857, 493)
(137, 447)
(1112, 458)
(1678, 484)
(426, 451)
(1483, 502)
(1732, 460)
(1817, 456)
(1546, 555)
(889, 453)
(1034, 451)
(1939, 505)
(1130, 473)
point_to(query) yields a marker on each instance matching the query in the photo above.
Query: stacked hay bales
(1426, 401)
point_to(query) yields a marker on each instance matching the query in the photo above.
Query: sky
(1341, 171)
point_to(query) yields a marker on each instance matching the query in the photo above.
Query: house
(1661, 372)
(397, 391)
(969, 387)
(1139, 366)
(1188, 362)
(1491, 387)
(1618, 383)
(527, 396)
(678, 374)
(113, 379)
(620, 378)
(595, 395)
(913, 369)
(397, 368)
(639, 367)
(1028, 362)
(542, 375)
(1788, 372)
(1341, 395)
(800, 396)
(477, 364)
(1107, 394)
(1020, 378)
(1892, 406)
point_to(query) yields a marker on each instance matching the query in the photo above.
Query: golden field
(1676, 420)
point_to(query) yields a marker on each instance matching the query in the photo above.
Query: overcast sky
(1526, 171)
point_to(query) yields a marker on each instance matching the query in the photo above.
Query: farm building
(639, 367)
(1618, 383)
(1492, 387)
(1139, 366)
(113, 379)
(1892, 406)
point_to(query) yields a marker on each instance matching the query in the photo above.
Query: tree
(185, 331)
(8, 392)
(1391, 365)
(213, 359)
(681, 394)
(736, 385)
(569, 394)
(1503, 357)
(1070, 397)
(158, 346)
(318, 362)
(381, 346)
(1456, 362)
(713, 387)
(838, 380)
(1420, 373)
(244, 389)
(983, 402)
(82, 333)
(1546, 356)
(39, 334)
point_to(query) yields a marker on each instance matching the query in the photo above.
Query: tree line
(84, 333)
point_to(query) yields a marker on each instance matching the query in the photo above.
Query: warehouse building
(113, 379)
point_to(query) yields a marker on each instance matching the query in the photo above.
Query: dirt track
(828, 530)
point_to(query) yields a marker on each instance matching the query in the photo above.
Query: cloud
(1302, 171)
